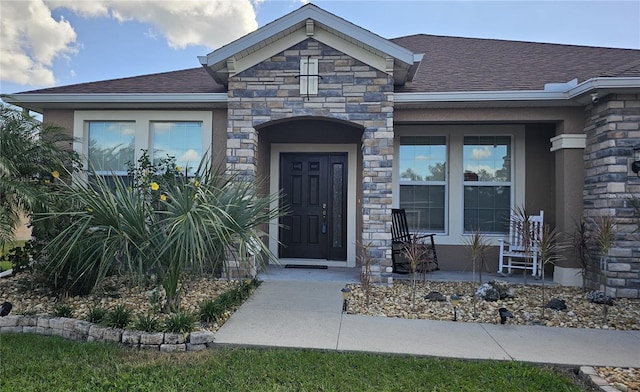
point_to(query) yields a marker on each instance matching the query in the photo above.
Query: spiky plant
(551, 245)
(477, 245)
(365, 277)
(170, 226)
(415, 252)
(604, 238)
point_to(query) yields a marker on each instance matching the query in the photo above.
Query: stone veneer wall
(350, 91)
(613, 130)
(84, 331)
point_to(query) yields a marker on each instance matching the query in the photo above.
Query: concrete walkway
(304, 309)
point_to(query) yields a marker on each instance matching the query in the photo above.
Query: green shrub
(63, 310)
(180, 322)
(211, 311)
(96, 315)
(147, 323)
(119, 317)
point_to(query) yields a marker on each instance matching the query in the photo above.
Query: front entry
(315, 191)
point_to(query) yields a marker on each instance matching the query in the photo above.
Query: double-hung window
(487, 183)
(423, 178)
(455, 179)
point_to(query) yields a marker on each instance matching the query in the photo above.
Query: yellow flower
(129, 188)
(90, 209)
(179, 168)
(163, 197)
(46, 181)
(155, 186)
(55, 174)
(197, 183)
(195, 197)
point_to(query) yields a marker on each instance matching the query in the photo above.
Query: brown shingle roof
(194, 80)
(449, 64)
(472, 64)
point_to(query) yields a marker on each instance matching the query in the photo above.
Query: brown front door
(315, 190)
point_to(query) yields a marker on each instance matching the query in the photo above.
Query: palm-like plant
(477, 244)
(551, 246)
(166, 224)
(30, 153)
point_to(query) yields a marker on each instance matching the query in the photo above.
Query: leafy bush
(147, 323)
(63, 310)
(158, 221)
(119, 317)
(96, 315)
(214, 310)
(180, 322)
(211, 311)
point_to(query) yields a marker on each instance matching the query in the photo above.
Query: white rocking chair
(519, 252)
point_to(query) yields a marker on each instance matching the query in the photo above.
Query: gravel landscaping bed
(29, 297)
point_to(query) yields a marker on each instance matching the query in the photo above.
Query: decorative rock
(201, 337)
(151, 339)
(131, 338)
(196, 347)
(151, 347)
(112, 335)
(9, 321)
(598, 297)
(557, 304)
(43, 322)
(435, 296)
(28, 321)
(487, 292)
(174, 338)
(170, 348)
(14, 329)
(82, 327)
(95, 333)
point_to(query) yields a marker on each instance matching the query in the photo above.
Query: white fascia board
(115, 98)
(474, 96)
(604, 83)
(300, 16)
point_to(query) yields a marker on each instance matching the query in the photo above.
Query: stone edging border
(84, 331)
(589, 373)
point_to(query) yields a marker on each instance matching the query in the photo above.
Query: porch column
(569, 174)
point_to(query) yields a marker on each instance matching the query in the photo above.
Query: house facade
(349, 125)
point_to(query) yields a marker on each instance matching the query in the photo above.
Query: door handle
(324, 218)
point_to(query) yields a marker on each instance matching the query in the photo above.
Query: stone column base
(567, 276)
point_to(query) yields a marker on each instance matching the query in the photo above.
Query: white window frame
(142, 120)
(454, 199)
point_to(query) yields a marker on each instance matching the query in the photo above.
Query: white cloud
(190, 156)
(210, 23)
(480, 153)
(31, 38)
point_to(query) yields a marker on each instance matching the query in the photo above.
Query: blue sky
(47, 43)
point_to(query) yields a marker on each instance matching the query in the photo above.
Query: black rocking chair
(402, 241)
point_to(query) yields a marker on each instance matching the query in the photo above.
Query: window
(308, 76)
(111, 146)
(112, 138)
(487, 183)
(423, 176)
(182, 140)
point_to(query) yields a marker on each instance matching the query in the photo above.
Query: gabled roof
(453, 69)
(472, 64)
(297, 26)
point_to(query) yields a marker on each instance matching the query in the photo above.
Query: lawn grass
(41, 363)
(5, 265)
